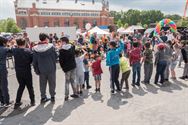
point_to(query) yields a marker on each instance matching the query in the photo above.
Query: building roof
(62, 4)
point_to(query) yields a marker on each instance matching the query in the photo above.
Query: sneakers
(53, 100)
(1, 105)
(32, 103)
(44, 100)
(7, 105)
(112, 92)
(183, 77)
(74, 96)
(66, 98)
(97, 90)
(88, 87)
(17, 105)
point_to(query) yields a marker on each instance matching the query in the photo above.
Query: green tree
(119, 23)
(173, 17)
(15, 29)
(9, 25)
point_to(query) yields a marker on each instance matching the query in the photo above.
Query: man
(184, 51)
(4, 94)
(23, 58)
(44, 62)
(168, 57)
(68, 64)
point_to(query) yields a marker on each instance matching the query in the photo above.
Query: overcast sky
(166, 6)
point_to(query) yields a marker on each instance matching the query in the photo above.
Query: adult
(184, 51)
(68, 64)
(44, 62)
(4, 94)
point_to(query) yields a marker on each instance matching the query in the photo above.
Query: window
(46, 23)
(67, 22)
(76, 23)
(56, 23)
(84, 23)
(23, 23)
(94, 23)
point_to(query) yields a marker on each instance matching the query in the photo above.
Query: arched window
(76, 23)
(23, 23)
(84, 23)
(56, 23)
(94, 23)
(67, 22)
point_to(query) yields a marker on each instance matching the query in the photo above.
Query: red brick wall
(39, 20)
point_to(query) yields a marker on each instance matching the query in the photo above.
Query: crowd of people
(123, 54)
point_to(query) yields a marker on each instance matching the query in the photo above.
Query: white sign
(33, 33)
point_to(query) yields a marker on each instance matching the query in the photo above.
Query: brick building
(61, 13)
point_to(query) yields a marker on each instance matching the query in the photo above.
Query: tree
(174, 17)
(15, 29)
(119, 23)
(9, 25)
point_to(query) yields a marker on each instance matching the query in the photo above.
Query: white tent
(121, 29)
(131, 29)
(98, 31)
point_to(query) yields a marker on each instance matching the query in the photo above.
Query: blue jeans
(4, 95)
(161, 66)
(136, 68)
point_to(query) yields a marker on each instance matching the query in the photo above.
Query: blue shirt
(113, 55)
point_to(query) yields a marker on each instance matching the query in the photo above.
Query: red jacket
(96, 66)
(135, 55)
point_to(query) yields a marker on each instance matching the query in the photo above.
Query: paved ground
(147, 105)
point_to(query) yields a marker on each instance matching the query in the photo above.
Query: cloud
(166, 6)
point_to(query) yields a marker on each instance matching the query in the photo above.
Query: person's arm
(108, 59)
(156, 58)
(35, 64)
(120, 48)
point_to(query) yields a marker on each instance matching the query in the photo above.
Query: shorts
(97, 77)
(173, 65)
(80, 79)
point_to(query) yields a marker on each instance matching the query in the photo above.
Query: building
(61, 13)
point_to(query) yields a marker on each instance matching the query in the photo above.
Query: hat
(161, 46)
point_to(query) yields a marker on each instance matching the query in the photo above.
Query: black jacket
(23, 58)
(67, 57)
(184, 52)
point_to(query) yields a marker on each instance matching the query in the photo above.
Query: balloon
(165, 22)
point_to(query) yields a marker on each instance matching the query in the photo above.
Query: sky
(166, 6)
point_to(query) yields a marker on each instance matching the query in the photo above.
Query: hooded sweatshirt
(67, 57)
(44, 58)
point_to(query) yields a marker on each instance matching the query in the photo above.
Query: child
(97, 71)
(86, 71)
(112, 60)
(4, 94)
(23, 59)
(79, 71)
(148, 63)
(125, 69)
(161, 63)
(135, 58)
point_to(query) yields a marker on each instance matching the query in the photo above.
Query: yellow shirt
(124, 64)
